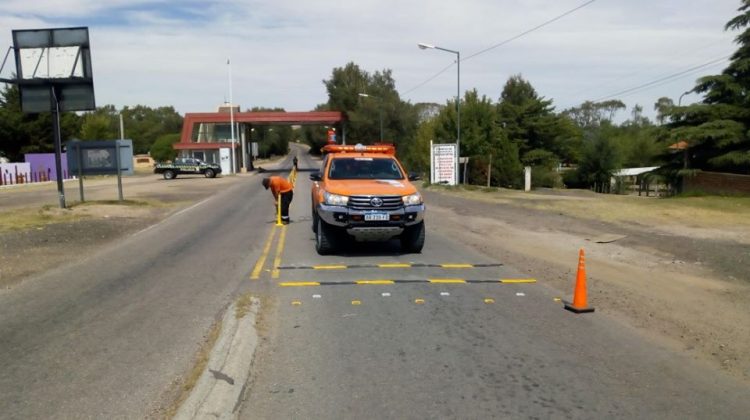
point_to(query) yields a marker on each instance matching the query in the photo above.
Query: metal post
(119, 170)
(489, 171)
(122, 128)
(231, 113)
(458, 107)
(58, 146)
(80, 169)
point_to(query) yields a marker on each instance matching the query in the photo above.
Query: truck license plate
(377, 217)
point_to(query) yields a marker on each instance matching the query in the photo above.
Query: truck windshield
(365, 168)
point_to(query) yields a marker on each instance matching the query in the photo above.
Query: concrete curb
(220, 387)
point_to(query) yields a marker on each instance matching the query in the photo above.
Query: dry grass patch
(244, 303)
(702, 212)
(23, 219)
(201, 361)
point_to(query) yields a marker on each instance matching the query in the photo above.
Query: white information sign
(225, 160)
(443, 158)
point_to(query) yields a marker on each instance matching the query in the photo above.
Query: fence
(8, 177)
(716, 183)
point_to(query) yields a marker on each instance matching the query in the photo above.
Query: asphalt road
(106, 337)
(361, 346)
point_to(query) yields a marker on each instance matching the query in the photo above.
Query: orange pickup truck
(363, 192)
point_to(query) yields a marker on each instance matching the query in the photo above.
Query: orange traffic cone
(579, 305)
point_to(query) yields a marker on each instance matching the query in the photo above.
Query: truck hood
(370, 187)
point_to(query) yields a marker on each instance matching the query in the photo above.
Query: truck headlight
(334, 199)
(413, 200)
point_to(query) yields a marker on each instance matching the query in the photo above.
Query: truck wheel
(209, 173)
(169, 174)
(412, 239)
(314, 222)
(324, 238)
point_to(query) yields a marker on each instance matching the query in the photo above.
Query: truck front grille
(365, 202)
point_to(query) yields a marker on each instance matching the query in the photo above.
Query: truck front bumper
(353, 221)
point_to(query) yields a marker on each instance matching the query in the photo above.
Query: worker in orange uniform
(283, 190)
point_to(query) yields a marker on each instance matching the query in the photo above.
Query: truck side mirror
(316, 176)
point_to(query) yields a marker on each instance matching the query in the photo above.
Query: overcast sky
(160, 52)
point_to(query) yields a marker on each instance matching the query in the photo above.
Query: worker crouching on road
(283, 190)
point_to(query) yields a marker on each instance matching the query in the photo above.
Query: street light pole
(231, 114)
(380, 106)
(424, 46)
(679, 101)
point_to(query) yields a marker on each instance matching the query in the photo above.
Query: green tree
(364, 113)
(590, 115)
(600, 159)
(144, 125)
(162, 149)
(716, 130)
(530, 122)
(30, 133)
(102, 124)
(663, 107)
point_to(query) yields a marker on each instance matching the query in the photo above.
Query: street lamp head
(424, 46)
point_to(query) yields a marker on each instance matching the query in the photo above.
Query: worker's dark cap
(266, 182)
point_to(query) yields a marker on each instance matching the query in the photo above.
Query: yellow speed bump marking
(447, 281)
(419, 301)
(457, 265)
(518, 281)
(356, 302)
(279, 251)
(557, 299)
(299, 283)
(489, 300)
(329, 267)
(262, 259)
(296, 303)
(373, 282)
(394, 265)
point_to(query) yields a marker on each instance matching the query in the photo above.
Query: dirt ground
(684, 284)
(676, 271)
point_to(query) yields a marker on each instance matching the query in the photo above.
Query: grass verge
(693, 211)
(201, 360)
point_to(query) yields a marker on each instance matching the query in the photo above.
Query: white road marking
(317, 296)
(520, 294)
(385, 294)
(444, 294)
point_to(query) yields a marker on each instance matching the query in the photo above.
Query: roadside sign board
(100, 157)
(443, 159)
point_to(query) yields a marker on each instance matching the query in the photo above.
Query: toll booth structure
(208, 136)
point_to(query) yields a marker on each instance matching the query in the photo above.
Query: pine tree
(716, 130)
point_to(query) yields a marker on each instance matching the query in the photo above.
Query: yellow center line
(262, 259)
(457, 265)
(299, 284)
(518, 281)
(447, 281)
(329, 267)
(374, 282)
(394, 265)
(279, 251)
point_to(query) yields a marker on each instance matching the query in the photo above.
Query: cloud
(159, 53)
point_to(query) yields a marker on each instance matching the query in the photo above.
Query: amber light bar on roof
(359, 148)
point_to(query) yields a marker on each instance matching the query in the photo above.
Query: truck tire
(209, 173)
(412, 239)
(314, 222)
(324, 238)
(170, 174)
